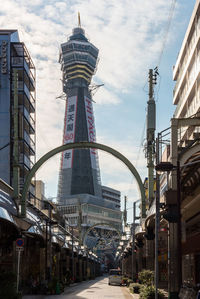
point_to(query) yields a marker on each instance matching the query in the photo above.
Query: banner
(69, 131)
(91, 130)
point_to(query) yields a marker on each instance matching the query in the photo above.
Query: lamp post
(72, 253)
(175, 258)
(157, 216)
(173, 215)
(48, 253)
(133, 237)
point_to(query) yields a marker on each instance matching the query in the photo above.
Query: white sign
(19, 248)
(4, 62)
(69, 131)
(91, 130)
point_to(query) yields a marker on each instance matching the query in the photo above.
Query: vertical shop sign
(91, 130)
(4, 57)
(69, 131)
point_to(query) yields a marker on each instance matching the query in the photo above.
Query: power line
(5, 146)
(141, 144)
(169, 21)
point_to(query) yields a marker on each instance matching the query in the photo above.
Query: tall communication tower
(79, 169)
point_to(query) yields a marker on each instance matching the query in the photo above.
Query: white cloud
(105, 97)
(128, 34)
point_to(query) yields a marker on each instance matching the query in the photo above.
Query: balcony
(190, 84)
(29, 120)
(23, 88)
(30, 143)
(183, 67)
(20, 62)
(23, 159)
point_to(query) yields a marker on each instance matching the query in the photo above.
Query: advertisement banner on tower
(69, 130)
(91, 130)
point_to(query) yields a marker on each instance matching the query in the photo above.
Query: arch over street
(81, 145)
(99, 224)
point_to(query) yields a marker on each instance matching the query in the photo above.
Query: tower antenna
(79, 20)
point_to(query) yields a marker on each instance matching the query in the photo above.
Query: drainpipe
(16, 142)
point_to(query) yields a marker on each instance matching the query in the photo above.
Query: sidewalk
(34, 296)
(66, 291)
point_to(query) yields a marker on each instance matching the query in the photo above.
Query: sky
(132, 36)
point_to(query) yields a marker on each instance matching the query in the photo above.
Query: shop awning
(4, 214)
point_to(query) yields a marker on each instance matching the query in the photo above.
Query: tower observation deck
(79, 168)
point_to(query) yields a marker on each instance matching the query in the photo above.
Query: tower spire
(79, 20)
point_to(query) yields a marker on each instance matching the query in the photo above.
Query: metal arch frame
(79, 145)
(96, 224)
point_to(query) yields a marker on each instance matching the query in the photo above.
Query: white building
(111, 195)
(186, 73)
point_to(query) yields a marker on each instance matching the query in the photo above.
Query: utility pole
(16, 141)
(80, 223)
(157, 216)
(151, 126)
(125, 211)
(72, 253)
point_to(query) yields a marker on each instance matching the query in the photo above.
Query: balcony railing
(188, 86)
(29, 118)
(21, 62)
(189, 53)
(22, 87)
(25, 160)
(29, 140)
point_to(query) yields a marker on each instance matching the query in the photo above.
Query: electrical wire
(141, 144)
(137, 157)
(169, 21)
(4, 146)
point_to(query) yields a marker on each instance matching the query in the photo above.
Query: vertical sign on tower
(91, 130)
(69, 131)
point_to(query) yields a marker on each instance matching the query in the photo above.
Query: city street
(93, 289)
(76, 214)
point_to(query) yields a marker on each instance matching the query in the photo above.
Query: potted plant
(135, 287)
(146, 277)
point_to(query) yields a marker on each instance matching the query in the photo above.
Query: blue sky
(130, 35)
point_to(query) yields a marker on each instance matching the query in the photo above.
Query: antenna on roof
(79, 20)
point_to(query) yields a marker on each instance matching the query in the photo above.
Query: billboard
(69, 131)
(91, 130)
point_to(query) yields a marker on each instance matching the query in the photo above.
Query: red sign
(20, 242)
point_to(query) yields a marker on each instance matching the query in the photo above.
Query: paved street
(93, 289)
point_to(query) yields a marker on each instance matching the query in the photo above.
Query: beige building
(186, 73)
(39, 190)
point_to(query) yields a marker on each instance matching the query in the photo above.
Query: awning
(66, 246)
(4, 214)
(35, 230)
(7, 202)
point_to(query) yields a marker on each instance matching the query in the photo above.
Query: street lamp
(48, 236)
(173, 213)
(70, 237)
(133, 236)
(74, 243)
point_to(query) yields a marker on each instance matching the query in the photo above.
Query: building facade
(186, 73)
(17, 110)
(112, 195)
